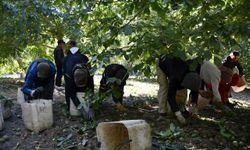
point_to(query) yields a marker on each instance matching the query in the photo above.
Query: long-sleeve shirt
(58, 56)
(210, 74)
(70, 88)
(175, 69)
(32, 81)
(110, 72)
(230, 64)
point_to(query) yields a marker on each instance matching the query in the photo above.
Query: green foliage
(135, 31)
(225, 132)
(172, 132)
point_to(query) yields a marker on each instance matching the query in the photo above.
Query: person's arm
(50, 88)
(215, 87)
(28, 83)
(91, 83)
(238, 65)
(227, 62)
(172, 88)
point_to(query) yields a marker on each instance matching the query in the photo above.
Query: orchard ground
(225, 128)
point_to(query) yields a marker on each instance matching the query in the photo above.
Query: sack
(81, 75)
(242, 84)
(20, 96)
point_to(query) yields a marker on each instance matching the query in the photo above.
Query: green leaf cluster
(129, 32)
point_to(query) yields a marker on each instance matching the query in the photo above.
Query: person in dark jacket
(58, 57)
(120, 74)
(179, 76)
(71, 75)
(39, 80)
(232, 61)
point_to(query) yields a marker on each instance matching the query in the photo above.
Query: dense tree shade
(133, 31)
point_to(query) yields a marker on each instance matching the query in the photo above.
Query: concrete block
(124, 135)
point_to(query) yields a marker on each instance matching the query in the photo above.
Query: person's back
(71, 60)
(177, 76)
(174, 68)
(112, 71)
(120, 73)
(40, 73)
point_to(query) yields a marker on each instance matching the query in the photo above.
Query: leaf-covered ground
(214, 129)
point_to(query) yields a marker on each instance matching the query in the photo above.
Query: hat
(60, 41)
(43, 70)
(81, 77)
(191, 81)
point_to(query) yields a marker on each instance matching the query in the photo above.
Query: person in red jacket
(228, 79)
(230, 63)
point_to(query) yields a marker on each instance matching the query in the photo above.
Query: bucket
(20, 96)
(37, 115)
(240, 86)
(124, 135)
(6, 110)
(73, 110)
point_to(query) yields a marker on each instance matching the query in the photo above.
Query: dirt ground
(222, 129)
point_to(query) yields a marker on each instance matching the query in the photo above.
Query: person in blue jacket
(39, 80)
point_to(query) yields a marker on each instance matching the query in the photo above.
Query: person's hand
(180, 118)
(206, 94)
(37, 92)
(90, 114)
(39, 89)
(32, 93)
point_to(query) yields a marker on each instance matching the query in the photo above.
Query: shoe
(59, 88)
(180, 118)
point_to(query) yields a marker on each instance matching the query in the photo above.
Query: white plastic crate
(37, 115)
(124, 135)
